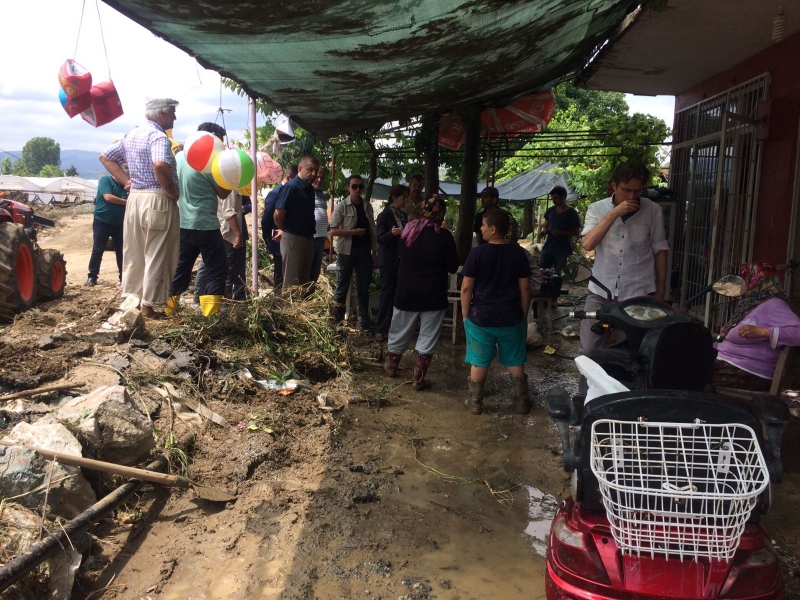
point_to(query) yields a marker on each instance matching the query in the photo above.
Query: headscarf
(432, 214)
(763, 284)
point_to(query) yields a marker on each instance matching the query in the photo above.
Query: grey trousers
(589, 340)
(297, 253)
(404, 325)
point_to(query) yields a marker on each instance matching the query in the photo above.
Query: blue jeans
(316, 258)
(553, 260)
(100, 233)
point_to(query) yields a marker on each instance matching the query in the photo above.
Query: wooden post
(430, 124)
(469, 182)
(254, 198)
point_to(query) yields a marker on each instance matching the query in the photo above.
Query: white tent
(51, 190)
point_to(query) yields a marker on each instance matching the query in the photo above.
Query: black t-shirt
(361, 241)
(497, 269)
(565, 221)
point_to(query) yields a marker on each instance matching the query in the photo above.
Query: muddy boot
(392, 362)
(337, 313)
(474, 402)
(420, 368)
(522, 400)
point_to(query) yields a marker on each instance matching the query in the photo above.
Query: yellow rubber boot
(173, 302)
(209, 305)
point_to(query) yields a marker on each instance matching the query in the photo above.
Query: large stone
(128, 320)
(21, 531)
(108, 418)
(23, 470)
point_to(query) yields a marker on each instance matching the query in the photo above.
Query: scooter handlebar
(583, 314)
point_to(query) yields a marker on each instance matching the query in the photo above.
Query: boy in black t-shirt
(495, 296)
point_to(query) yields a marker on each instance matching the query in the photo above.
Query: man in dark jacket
(271, 234)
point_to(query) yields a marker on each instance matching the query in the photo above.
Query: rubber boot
(173, 302)
(392, 362)
(522, 400)
(420, 369)
(210, 304)
(474, 402)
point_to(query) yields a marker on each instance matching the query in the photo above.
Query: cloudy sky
(140, 64)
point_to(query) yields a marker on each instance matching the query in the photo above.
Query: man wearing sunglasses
(353, 225)
(627, 234)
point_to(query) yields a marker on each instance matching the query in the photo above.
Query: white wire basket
(677, 489)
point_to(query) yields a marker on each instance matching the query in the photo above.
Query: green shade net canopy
(337, 66)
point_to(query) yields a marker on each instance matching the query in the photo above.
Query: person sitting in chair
(761, 324)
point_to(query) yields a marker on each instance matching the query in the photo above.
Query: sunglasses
(357, 186)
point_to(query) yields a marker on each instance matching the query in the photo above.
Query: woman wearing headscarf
(761, 324)
(427, 254)
(389, 226)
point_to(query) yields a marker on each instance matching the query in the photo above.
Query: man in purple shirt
(151, 230)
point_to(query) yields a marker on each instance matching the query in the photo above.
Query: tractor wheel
(17, 271)
(51, 274)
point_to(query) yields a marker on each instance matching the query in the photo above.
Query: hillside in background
(85, 162)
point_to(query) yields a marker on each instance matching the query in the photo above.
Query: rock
(109, 419)
(46, 342)
(160, 348)
(118, 361)
(21, 531)
(181, 360)
(24, 470)
(129, 320)
(105, 336)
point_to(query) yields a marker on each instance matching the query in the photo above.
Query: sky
(140, 65)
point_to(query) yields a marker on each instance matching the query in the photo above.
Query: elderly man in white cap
(151, 229)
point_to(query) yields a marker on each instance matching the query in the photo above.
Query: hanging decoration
(105, 105)
(201, 148)
(232, 169)
(269, 171)
(529, 114)
(98, 104)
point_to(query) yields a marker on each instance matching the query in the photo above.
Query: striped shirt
(321, 213)
(140, 149)
(624, 260)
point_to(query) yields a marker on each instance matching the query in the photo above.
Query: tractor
(27, 272)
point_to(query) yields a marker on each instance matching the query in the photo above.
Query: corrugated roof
(344, 65)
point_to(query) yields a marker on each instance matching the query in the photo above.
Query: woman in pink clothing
(762, 323)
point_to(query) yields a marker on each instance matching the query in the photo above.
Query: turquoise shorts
(483, 342)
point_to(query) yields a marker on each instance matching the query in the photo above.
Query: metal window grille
(677, 489)
(714, 172)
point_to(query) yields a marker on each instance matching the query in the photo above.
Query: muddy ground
(396, 495)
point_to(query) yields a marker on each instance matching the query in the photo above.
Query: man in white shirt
(627, 234)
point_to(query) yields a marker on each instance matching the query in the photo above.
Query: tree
(50, 171)
(40, 151)
(72, 171)
(6, 167)
(612, 136)
(20, 169)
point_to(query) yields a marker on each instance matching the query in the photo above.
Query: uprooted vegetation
(186, 361)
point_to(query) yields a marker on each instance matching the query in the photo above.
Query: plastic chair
(454, 298)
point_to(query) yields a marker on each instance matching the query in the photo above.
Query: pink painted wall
(782, 61)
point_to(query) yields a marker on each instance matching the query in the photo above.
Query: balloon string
(102, 37)
(80, 24)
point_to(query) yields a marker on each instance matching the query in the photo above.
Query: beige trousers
(151, 235)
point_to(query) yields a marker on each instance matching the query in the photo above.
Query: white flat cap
(153, 103)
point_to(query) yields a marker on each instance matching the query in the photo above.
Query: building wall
(782, 61)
